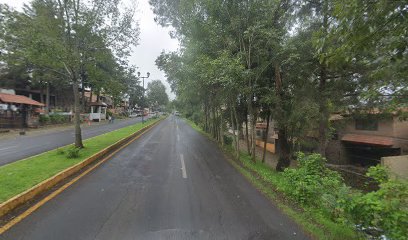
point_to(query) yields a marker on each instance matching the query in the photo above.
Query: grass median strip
(19, 176)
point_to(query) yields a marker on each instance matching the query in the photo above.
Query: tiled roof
(11, 98)
(368, 139)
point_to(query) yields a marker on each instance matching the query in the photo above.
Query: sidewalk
(47, 129)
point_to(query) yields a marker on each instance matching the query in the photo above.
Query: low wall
(270, 147)
(398, 165)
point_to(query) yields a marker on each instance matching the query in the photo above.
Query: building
(271, 139)
(365, 140)
(17, 111)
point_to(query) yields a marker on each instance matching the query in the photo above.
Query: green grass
(268, 181)
(21, 175)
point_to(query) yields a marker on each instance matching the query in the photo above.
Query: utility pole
(143, 78)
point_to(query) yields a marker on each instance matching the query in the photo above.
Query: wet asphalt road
(172, 183)
(13, 149)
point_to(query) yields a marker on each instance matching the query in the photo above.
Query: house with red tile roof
(364, 139)
(18, 111)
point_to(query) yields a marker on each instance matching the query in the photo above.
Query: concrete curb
(45, 185)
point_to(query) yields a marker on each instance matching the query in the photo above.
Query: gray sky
(153, 39)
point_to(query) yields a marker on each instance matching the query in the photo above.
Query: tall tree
(156, 94)
(62, 36)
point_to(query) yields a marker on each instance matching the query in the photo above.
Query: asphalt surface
(172, 183)
(19, 147)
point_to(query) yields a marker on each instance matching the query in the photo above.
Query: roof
(261, 125)
(98, 104)
(335, 117)
(19, 99)
(368, 139)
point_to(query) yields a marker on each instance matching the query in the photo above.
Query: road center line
(183, 166)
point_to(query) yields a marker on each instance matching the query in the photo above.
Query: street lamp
(147, 76)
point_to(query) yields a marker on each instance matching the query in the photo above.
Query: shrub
(385, 209)
(313, 184)
(378, 173)
(44, 119)
(228, 140)
(60, 151)
(57, 119)
(73, 152)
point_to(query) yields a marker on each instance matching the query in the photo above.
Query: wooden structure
(98, 111)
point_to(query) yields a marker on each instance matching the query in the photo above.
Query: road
(171, 183)
(13, 149)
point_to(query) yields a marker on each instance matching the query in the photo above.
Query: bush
(378, 173)
(58, 119)
(73, 152)
(60, 151)
(44, 119)
(385, 209)
(313, 184)
(228, 140)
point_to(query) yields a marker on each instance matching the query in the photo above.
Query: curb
(45, 185)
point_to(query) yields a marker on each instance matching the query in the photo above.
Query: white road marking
(183, 166)
(178, 137)
(7, 148)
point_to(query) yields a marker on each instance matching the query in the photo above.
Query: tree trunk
(283, 143)
(323, 110)
(266, 136)
(221, 120)
(206, 117)
(238, 126)
(214, 124)
(233, 126)
(47, 99)
(253, 136)
(82, 95)
(77, 109)
(247, 135)
(324, 114)
(41, 94)
(284, 151)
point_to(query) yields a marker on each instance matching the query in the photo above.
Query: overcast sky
(153, 39)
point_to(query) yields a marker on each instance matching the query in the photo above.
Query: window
(261, 134)
(367, 124)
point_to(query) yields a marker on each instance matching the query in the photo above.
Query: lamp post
(147, 76)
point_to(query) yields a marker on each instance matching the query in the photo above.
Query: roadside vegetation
(294, 63)
(319, 200)
(19, 176)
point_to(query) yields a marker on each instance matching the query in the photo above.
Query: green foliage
(322, 194)
(70, 42)
(378, 173)
(385, 209)
(53, 119)
(313, 184)
(58, 119)
(228, 140)
(60, 151)
(44, 119)
(73, 152)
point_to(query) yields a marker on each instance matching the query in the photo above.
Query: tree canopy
(70, 42)
(295, 62)
(156, 94)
